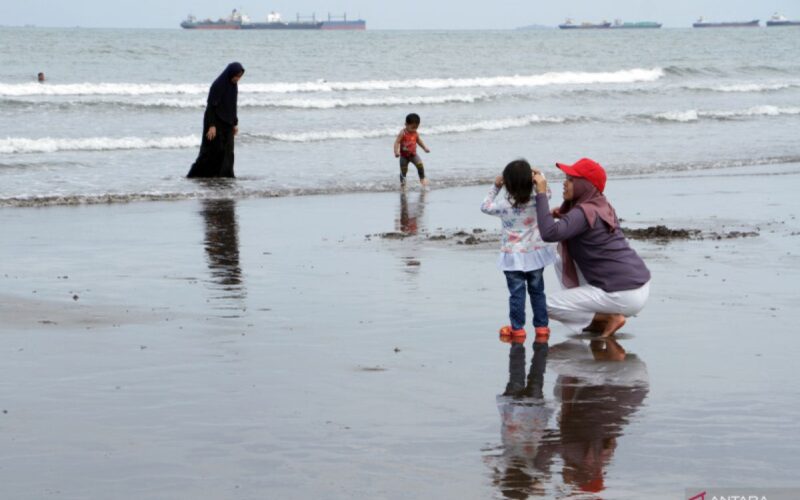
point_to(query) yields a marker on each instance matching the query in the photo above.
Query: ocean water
(120, 115)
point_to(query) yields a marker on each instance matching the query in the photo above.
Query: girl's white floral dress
(521, 245)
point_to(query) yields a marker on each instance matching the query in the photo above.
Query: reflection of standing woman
(220, 124)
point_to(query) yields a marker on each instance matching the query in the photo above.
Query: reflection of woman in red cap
(606, 280)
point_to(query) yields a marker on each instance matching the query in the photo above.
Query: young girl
(523, 253)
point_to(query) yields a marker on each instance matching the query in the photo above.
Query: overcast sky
(394, 14)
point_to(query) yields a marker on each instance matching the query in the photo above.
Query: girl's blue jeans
(517, 282)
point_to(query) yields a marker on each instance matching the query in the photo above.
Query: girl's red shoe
(507, 331)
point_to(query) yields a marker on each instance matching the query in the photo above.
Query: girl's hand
(235, 130)
(556, 213)
(427, 150)
(212, 133)
(498, 181)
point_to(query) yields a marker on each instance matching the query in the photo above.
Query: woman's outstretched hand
(539, 182)
(212, 132)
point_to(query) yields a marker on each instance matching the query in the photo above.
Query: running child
(523, 253)
(405, 148)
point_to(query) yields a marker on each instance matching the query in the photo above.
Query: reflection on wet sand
(222, 250)
(410, 223)
(599, 387)
(411, 216)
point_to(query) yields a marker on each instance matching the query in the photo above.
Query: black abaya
(216, 156)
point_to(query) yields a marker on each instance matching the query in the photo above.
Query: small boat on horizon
(779, 20)
(701, 23)
(569, 24)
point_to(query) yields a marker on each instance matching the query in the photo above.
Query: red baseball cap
(587, 169)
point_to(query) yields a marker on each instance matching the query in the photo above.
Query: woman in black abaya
(220, 124)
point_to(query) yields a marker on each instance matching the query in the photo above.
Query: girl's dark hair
(518, 182)
(412, 119)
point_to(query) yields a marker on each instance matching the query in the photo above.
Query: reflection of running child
(405, 148)
(410, 215)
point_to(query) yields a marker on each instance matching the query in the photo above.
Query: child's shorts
(405, 160)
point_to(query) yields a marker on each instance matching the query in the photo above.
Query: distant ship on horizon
(702, 23)
(569, 24)
(618, 24)
(238, 21)
(779, 20)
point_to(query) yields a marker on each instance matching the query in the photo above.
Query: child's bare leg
(403, 171)
(420, 171)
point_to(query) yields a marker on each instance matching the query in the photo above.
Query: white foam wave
(679, 116)
(17, 145)
(754, 111)
(386, 101)
(693, 115)
(749, 87)
(553, 78)
(315, 103)
(351, 134)
(13, 145)
(556, 78)
(133, 89)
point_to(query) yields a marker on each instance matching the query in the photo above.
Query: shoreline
(178, 188)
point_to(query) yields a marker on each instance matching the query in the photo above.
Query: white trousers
(576, 307)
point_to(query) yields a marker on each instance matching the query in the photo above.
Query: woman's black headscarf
(222, 95)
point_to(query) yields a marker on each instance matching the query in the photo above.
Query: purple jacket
(605, 259)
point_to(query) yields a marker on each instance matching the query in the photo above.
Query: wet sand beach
(281, 348)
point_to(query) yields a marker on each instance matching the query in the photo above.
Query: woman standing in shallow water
(220, 124)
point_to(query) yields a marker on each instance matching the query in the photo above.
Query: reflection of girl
(220, 124)
(606, 279)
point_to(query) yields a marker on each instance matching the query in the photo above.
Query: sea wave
(15, 145)
(199, 103)
(20, 145)
(673, 167)
(139, 89)
(746, 87)
(680, 71)
(693, 115)
(484, 125)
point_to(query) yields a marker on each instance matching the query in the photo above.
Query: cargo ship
(237, 21)
(570, 25)
(274, 22)
(779, 20)
(701, 23)
(232, 22)
(619, 25)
